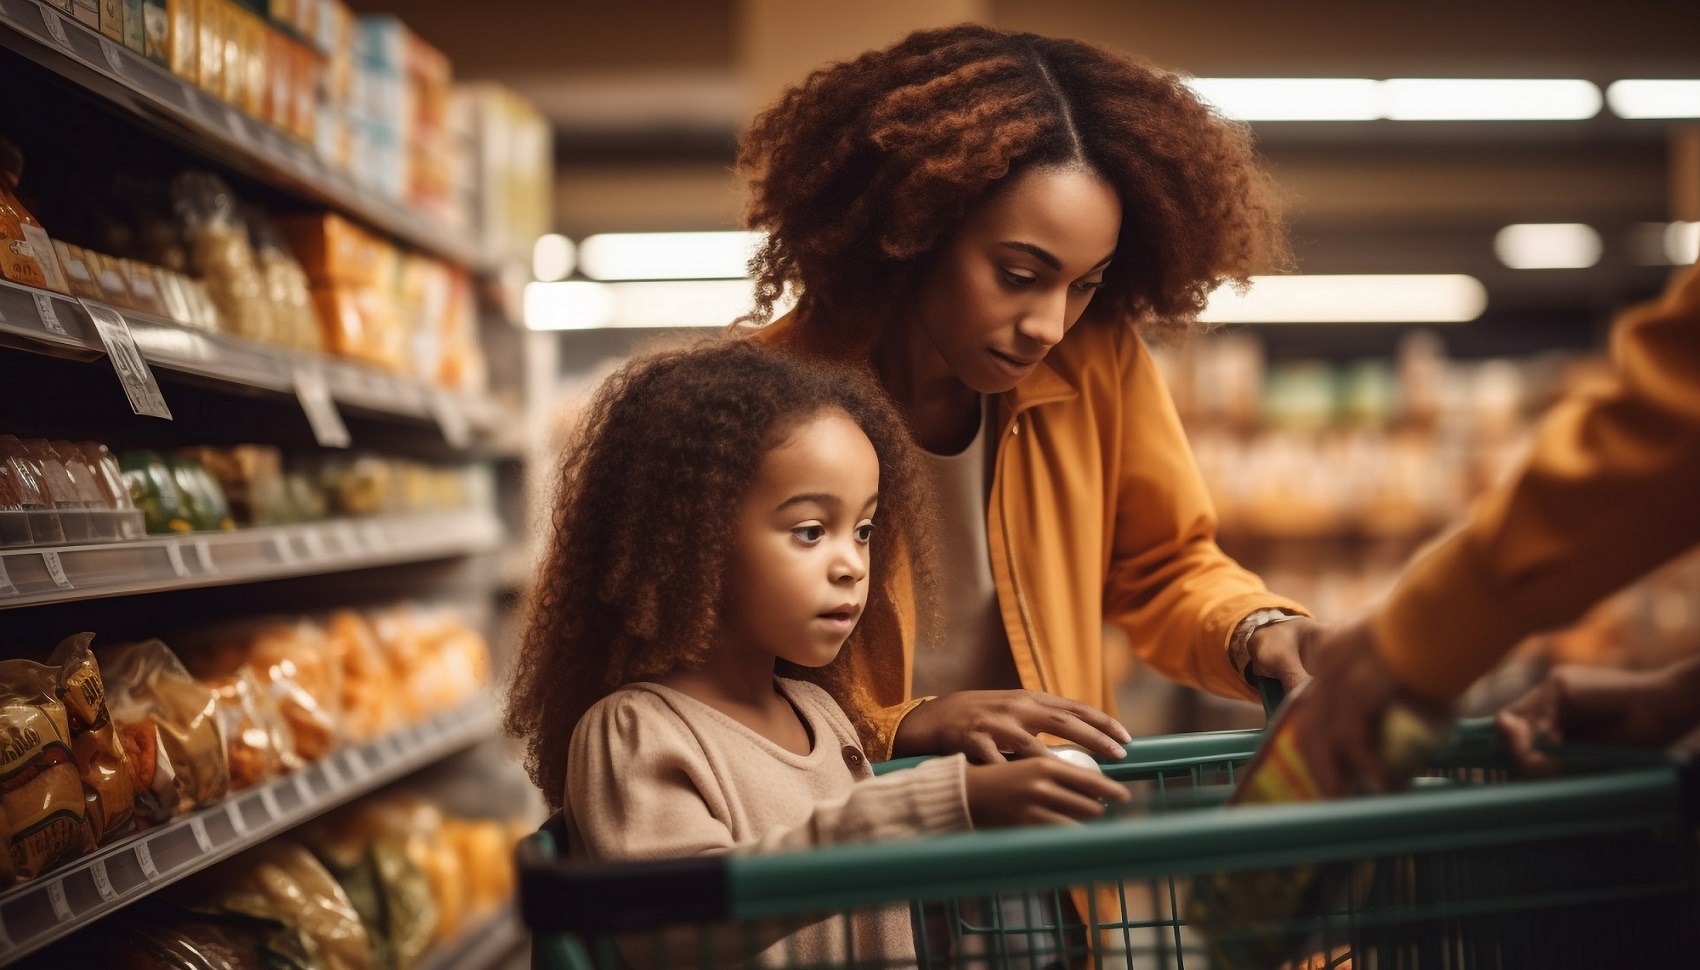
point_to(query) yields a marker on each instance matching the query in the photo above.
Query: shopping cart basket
(1468, 868)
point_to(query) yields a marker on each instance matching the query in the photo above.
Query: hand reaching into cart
(1637, 708)
(990, 726)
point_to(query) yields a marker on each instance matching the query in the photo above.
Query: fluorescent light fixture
(1292, 98)
(1436, 298)
(552, 257)
(1557, 245)
(1645, 98)
(584, 305)
(668, 255)
(1682, 243)
(1465, 99)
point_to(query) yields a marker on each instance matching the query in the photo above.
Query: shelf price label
(203, 554)
(315, 397)
(179, 568)
(61, 905)
(55, 27)
(198, 828)
(102, 881)
(114, 57)
(49, 319)
(450, 418)
(139, 384)
(55, 569)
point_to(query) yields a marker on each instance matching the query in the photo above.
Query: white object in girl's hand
(1075, 756)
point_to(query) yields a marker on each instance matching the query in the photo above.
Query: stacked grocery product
(369, 97)
(124, 736)
(373, 885)
(54, 492)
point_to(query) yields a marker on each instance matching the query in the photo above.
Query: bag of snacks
(42, 793)
(220, 255)
(109, 785)
(258, 744)
(168, 722)
(280, 880)
(292, 662)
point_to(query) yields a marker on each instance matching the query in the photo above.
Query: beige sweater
(655, 774)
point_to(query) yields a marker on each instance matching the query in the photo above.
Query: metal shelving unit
(211, 127)
(58, 903)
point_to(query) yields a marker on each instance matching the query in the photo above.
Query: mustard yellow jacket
(1097, 513)
(1610, 489)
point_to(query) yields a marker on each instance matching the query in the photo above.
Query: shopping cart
(1466, 869)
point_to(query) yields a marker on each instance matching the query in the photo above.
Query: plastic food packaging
(220, 254)
(207, 507)
(26, 251)
(169, 725)
(79, 274)
(109, 786)
(41, 796)
(296, 322)
(280, 880)
(251, 478)
(365, 846)
(369, 688)
(292, 663)
(155, 491)
(27, 514)
(258, 744)
(195, 941)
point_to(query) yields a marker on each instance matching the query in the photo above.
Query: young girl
(731, 527)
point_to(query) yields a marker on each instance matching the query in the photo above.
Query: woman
(987, 220)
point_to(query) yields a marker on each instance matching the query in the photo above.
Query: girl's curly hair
(862, 171)
(632, 584)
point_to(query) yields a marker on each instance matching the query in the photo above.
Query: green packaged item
(153, 490)
(208, 509)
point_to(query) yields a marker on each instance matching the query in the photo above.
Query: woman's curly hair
(632, 585)
(859, 173)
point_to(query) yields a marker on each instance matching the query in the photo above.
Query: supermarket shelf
(57, 324)
(212, 127)
(483, 945)
(59, 903)
(31, 575)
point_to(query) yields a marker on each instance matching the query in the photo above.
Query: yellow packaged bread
(41, 792)
(369, 687)
(109, 785)
(292, 663)
(280, 880)
(257, 741)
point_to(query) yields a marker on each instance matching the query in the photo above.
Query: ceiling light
(1292, 98)
(1559, 245)
(1654, 98)
(668, 255)
(1682, 242)
(552, 257)
(583, 305)
(1436, 298)
(1463, 99)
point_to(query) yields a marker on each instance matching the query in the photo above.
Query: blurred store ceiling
(647, 97)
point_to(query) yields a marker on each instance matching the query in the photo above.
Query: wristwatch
(1239, 645)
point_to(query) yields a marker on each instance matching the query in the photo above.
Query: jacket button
(853, 758)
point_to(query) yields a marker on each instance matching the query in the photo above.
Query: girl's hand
(1042, 790)
(990, 725)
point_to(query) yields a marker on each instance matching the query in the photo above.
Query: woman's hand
(1285, 651)
(1638, 708)
(1042, 790)
(1343, 708)
(989, 725)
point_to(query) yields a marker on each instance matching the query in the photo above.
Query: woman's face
(1018, 274)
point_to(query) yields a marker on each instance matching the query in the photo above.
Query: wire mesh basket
(1468, 868)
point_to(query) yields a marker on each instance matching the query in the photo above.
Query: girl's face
(799, 564)
(1018, 274)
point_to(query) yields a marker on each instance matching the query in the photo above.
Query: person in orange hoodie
(989, 222)
(1607, 493)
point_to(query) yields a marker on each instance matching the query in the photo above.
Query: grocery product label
(322, 415)
(43, 247)
(114, 57)
(55, 569)
(139, 384)
(49, 319)
(55, 28)
(6, 587)
(450, 418)
(144, 858)
(102, 881)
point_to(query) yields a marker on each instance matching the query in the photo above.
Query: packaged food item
(22, 492)
(280, 880)
(364, 846)
(79, 277)
(168, 722)
(185, 940)
(293, 664)
(111, 278)
(294, 318)
(250, 477)
(209, 46)
(26, 251)
(369, 687)
(155, 491)
(143, 284)
(135, 27)
(258, 744)
(107, 475)
(207, 507)
(109, 786)
(67, 488)
(41, 792)
(221, 256)
(87, 12)
(112, 19)
(184, 38)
